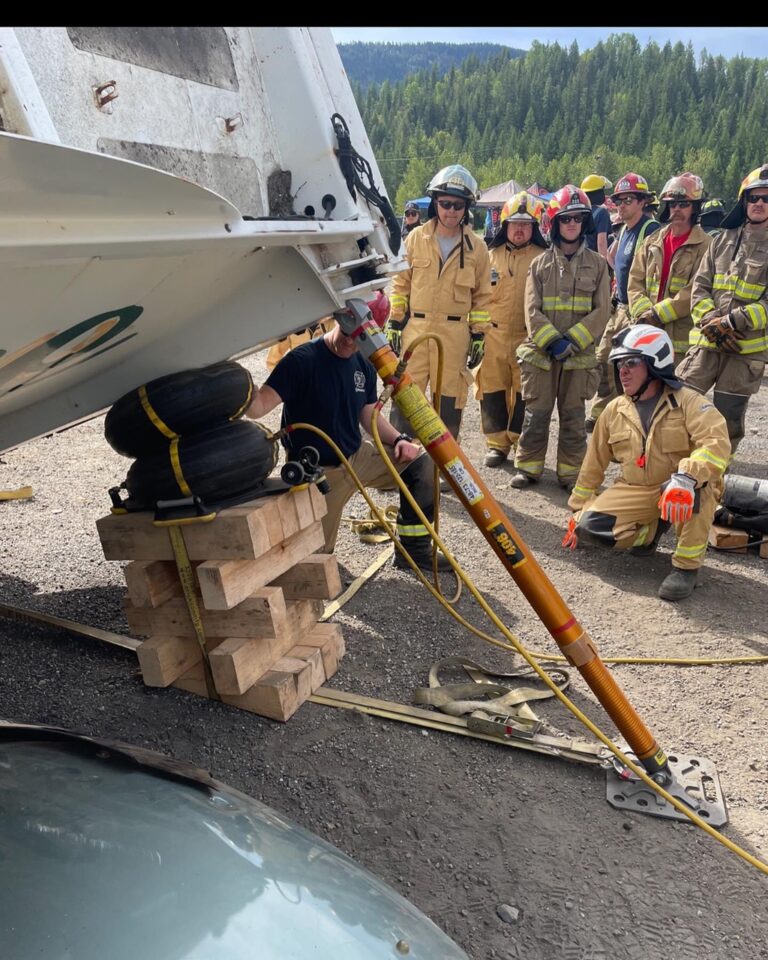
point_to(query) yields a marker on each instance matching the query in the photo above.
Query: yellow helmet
(595, 182)
(523, 206)
(756, 178)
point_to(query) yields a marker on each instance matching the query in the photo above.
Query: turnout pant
(625, 516)
(542, 389)
(735, 378)
(500, 392)
(368, 464)
(423, 365)
(606, 387)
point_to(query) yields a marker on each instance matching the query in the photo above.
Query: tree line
(556, 115)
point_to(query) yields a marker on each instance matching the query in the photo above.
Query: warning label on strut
(463, 478)
(504, 539)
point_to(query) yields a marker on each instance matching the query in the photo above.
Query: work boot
(679, 584)
(495, 457)
(420, 550)
(445, 487)
(522, 480)
(566, 484)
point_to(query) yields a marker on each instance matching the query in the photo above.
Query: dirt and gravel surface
(458, 826)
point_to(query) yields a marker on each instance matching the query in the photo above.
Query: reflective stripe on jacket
(686, 435)
(673, 308)
(448, 289)
(733, 281)
(566, 298)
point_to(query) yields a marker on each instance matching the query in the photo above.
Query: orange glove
(677, 498)
(571, 538)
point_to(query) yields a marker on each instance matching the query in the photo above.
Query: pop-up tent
(497, 196)
(539, 191)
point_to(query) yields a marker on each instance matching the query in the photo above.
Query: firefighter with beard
(672, 448)
(567, 302)
(446, 291)
(515, 245)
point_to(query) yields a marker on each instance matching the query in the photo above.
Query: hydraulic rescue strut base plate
(694, 782)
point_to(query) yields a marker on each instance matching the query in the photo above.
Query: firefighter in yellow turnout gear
(446, 291)
(672, 448)
(567, 302)
(663, 268)
(517, 242)
(729, 340)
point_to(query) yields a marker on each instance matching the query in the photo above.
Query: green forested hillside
(556, 115)
(368, 63)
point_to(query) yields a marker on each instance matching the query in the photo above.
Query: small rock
(627, 825)
(506, 913)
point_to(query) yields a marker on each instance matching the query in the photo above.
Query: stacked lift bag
(187, 439)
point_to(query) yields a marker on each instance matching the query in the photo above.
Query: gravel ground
(460, 827)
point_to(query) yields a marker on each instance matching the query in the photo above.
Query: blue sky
(728, 41)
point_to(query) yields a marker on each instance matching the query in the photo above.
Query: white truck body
(169, 197)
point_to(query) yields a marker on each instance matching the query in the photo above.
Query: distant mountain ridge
(373, 63)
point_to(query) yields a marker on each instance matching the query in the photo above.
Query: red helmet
(569, 199)
(631, 183)
(379, 307)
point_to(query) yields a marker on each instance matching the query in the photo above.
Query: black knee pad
(597, 528)
(493, 411)
(733, 407)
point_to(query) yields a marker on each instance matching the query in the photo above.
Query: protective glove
(476, 350)
(721, 332)
(677, 499)
(561, 349)
(571, 538)
(650, 318)
(394, 332)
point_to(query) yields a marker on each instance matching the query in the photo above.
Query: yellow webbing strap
(22, 493)
(187, 578)
(352, 589)
(369, 529)
(151, 413)
(176, 467)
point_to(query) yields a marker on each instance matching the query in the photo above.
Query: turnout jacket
(686, 435)
(565, 298)
(459, 288)
(673, 307)
(508, 293)
(733, 280)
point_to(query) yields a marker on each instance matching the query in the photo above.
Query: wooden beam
(151, 582)
(226, 583)
(317, 577)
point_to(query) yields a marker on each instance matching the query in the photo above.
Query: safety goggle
(452, 204)
(629, 362)
(573, 218)
(754, 198)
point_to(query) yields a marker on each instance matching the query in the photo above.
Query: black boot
(420, 550)
(679, 584)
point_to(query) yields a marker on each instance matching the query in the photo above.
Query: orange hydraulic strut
(575, 643)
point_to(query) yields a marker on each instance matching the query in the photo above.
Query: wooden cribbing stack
(260, 588)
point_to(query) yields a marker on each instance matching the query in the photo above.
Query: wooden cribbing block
(164, 659)
(315, 577)
(328, 638)
(278, 694)
(263, 614)
(319, 504)
(244, 532)
(312, 656)
(226, 583)
(728, 537)
(763, 551)
(151, 582)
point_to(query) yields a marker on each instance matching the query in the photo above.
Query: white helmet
(653, 345)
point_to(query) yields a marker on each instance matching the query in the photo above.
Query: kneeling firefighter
(515, 245)
(446, 291)
(672, 448)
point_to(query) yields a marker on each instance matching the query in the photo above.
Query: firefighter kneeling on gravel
(672, 448)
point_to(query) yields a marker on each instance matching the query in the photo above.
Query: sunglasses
(452, 204)
(411, 213)
(683, 204)
(629, 362)
(625, 201)
(755, 197)
(573, 218)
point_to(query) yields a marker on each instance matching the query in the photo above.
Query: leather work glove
(394, 332)
(476, 350)
(561, 349)
(650, 317)
(571, 538)
(677, 498)
(721, 332)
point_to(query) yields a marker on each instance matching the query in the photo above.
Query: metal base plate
(694, 782)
